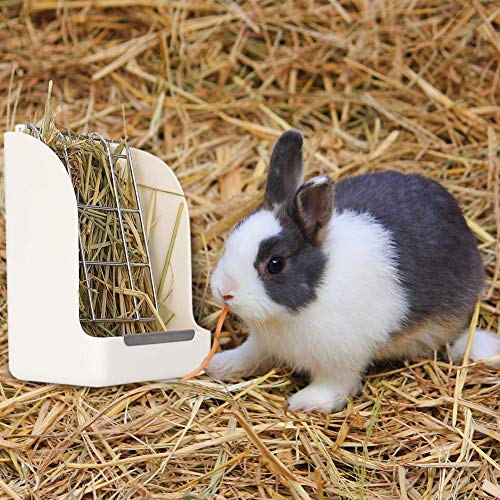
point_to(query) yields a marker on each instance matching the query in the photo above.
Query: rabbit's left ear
(285, 169)
(314, 206)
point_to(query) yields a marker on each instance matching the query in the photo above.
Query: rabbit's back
(438, 262)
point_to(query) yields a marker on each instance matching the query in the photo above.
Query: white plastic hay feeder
(46, 340)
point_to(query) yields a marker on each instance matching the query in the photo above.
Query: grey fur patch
(285, 169)
(296, 285)
(439, 264)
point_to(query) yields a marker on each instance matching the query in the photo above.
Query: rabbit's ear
(314, 206)
(285, 169)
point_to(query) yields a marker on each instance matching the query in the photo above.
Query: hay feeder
(46, 340)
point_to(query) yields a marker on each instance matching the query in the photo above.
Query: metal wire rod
(80, 243)
(146, 246)
(117, 320)
(120, 217)
(108, 209)
(111, 263)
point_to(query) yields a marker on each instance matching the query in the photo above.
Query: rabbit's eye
(275, 265)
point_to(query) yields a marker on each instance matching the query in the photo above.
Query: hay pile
(207, 86)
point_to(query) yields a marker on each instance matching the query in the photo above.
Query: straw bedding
(208, 86)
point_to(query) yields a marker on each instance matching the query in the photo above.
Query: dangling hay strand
(207, 86)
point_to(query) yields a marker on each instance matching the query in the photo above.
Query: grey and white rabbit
(332, 278)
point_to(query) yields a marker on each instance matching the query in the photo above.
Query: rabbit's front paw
(317, 398)
(228, 364)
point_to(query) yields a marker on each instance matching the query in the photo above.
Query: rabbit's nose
(227, 289)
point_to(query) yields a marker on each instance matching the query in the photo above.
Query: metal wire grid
(119, 210)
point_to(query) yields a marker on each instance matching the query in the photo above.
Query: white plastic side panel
(46, 341)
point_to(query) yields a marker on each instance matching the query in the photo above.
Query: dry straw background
(207, 86)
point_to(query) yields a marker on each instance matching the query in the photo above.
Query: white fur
(237, 264)
(245, 360)
(333, 338)
(485, 345)
(319, 179)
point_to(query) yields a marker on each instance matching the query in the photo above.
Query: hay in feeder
(115, 298)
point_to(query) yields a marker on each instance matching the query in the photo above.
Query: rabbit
(332, 278)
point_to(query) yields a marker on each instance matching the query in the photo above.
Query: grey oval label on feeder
(158, 337)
